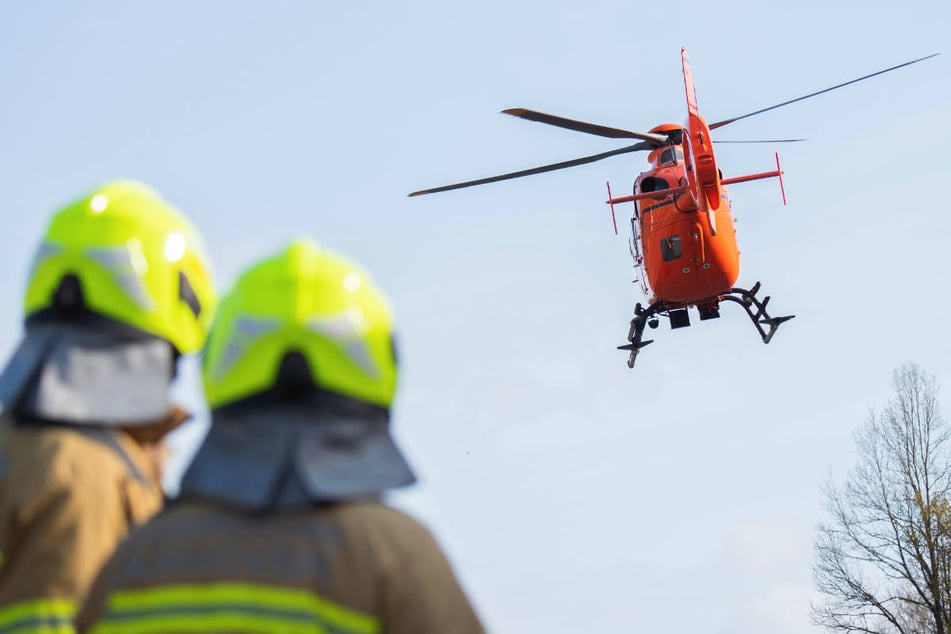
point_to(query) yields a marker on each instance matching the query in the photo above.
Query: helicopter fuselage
(689, 252)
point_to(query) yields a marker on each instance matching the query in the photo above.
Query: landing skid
(755, 308)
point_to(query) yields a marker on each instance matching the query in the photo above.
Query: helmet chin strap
(74, 374)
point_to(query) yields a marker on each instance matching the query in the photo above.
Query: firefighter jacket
(68, 495)
(347, 568)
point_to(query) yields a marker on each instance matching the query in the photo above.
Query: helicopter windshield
(671, 154)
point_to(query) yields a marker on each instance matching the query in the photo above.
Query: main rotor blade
(765, 141)
(720, 124)
(539, 170)
(581, 126)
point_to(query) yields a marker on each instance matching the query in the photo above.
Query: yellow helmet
(125, 254)
(309, 302)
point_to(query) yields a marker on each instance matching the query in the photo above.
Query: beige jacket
(68, 496)
(356, 567)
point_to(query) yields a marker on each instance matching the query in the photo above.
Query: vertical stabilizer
(703, 176)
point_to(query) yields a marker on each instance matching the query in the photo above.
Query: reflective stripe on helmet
(247, 330)
(232, 607)
(126, 265)
(346, 330)
(45, 251)
(45, 616)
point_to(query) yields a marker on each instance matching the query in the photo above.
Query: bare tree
(883, 558)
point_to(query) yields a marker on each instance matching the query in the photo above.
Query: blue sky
(572, 494)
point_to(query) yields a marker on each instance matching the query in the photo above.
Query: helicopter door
(679, 264)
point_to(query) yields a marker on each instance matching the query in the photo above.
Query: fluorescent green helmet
(307, 301)
(131, 258)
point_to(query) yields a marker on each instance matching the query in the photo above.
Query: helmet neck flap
(280, 457)
(72, 373)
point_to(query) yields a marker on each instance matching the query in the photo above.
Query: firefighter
(119, 288)
(279, 526)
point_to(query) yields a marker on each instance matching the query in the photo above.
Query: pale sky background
(572, 494)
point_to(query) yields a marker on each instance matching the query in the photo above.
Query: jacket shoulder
(378, 520)
(419, 591)
(44, 462)
(59, 455)
(391, 535)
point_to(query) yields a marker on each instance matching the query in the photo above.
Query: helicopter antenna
(720, 124)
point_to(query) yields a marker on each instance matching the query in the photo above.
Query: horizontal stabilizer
(658, 194)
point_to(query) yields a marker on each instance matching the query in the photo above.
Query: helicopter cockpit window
(672, 154)
(670, 248)
(653, 184)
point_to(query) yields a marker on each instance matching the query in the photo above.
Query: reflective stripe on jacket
(350, 568)
(46, 616)
(68, 496)
(230, 607)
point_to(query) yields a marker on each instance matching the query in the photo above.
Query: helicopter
(683, 236)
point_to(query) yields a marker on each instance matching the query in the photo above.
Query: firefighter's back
(347, 567)
(59, 480)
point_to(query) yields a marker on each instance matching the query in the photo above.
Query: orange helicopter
(683, 237)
